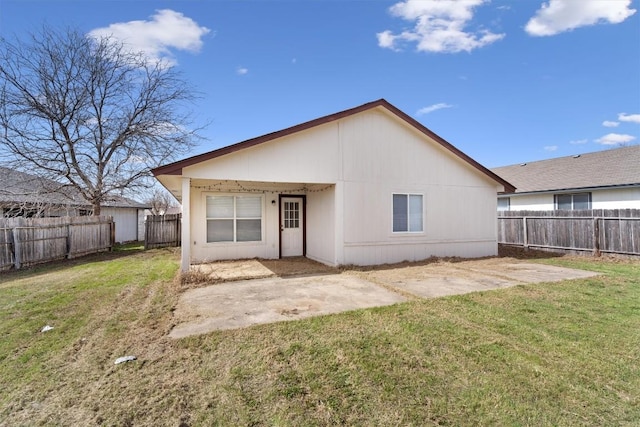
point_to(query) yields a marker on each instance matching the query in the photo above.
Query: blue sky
(505, 81)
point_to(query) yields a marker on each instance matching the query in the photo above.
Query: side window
(576, 201)
(408, 213)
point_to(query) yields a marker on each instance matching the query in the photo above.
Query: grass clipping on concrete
(547, 354)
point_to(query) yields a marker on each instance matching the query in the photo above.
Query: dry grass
(556, 354)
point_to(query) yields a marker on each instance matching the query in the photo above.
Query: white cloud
(615, 138)
(158, 36)
(241, 71)
(623, 117)
(550, 147)
(439, 26)
(610, 124)
(432, 108)
(558, 16)
(578, 141)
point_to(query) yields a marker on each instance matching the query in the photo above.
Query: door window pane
(291, 214)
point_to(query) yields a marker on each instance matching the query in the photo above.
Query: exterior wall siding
(623, 198)
(382, 157)
(126, 223)
(367, 157)
(321, 226)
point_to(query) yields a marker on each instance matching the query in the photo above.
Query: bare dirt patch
(227, 271)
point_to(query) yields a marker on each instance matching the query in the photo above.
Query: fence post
(112, 230)
(525, 238)
(596, 237)
(68, 241)
(16, 248)
(178, 230)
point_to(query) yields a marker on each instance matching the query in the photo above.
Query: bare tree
(89, 113)
(160, 201)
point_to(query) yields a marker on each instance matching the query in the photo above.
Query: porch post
(185, 261)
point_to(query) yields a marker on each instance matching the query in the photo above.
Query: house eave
(176, 168)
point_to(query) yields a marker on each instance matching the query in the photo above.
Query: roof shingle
(615, 167)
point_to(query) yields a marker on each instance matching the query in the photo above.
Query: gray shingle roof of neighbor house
(176, 167)
(21, 187)
(608, 168)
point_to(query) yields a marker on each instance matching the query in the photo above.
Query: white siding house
(365, 186)
(608, 179)
(23, 194)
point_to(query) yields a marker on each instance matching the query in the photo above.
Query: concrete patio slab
(239, 304)
(243, 303)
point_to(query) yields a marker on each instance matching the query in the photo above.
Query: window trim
(422, 214)
(555, 200)
(235, 219)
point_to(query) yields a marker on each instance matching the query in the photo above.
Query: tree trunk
(96, 208)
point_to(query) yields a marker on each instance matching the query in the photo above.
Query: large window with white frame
(234, 219)
(408, 213)
(573, 201)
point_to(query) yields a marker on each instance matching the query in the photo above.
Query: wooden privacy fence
(162, 231)
(596, 230)
(28, 241)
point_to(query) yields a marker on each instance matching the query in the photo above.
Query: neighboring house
(364, 186)
(607, 179)
(27, 195)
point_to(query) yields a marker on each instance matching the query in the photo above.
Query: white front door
(291, 226)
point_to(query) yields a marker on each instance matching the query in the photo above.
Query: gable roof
(176, 167)
(608, 168)
(20, 187)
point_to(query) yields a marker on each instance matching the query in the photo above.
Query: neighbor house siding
(126, 222)
(621, 198)
(616, 198)
(533, 202)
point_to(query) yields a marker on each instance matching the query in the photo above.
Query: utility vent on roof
(576, 156)
(523, 164)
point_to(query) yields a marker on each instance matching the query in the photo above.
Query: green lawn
(551, 354)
